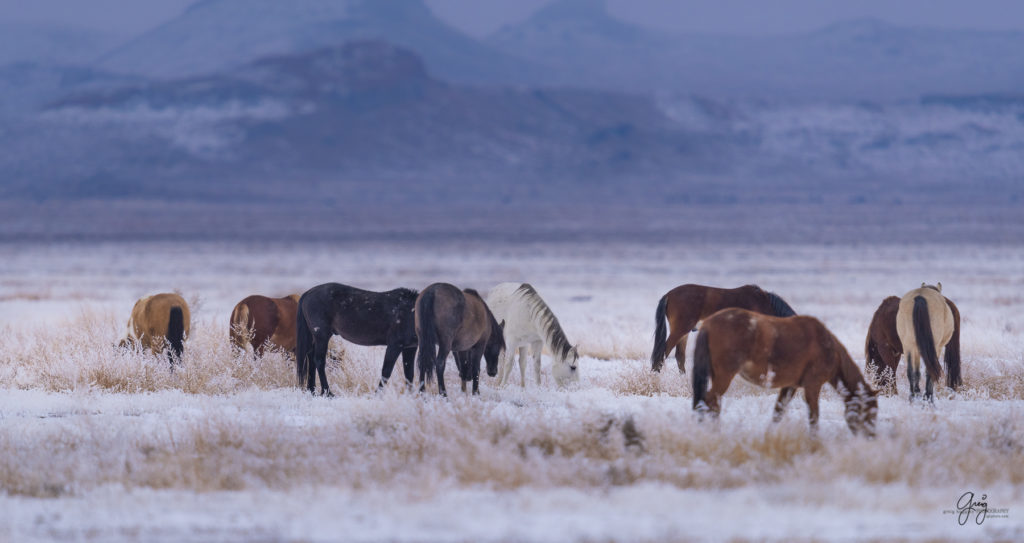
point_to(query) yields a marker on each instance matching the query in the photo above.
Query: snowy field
(102, 445)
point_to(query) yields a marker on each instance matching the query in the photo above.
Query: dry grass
(81, 354)
(287, 440)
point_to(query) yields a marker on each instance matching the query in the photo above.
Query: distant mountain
(214, 35)
(367, 121)
(25, 87)
(581, 43)
(364, 112)
(51, 44)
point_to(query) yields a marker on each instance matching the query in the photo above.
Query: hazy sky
(480, 17)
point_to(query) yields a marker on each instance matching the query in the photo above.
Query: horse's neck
(850, 376)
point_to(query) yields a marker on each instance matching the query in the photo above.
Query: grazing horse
(925, 324)
(686, 305)
(529, 323)
(259, 320)
(776, 352)
(159, 321)
(359, 316)
(458, 321)
(883, 348)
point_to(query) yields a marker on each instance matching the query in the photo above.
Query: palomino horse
(159, 321)
(453, 320)
(359, 316)
(529, 323)
(883, 348)
(776, 352)
(686, 305)
(925, 324)
(259, 320)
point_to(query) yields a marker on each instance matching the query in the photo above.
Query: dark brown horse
(883, 348)
(456, 321)
(686, 305)
(776, 352)
(258, 320)
(360, 316)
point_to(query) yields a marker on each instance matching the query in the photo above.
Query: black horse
(359, 316)
(457, 321)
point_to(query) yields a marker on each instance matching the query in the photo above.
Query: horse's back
(151, 316)
(940, 317)
(756, 345)
(883, 322)
(513, 304)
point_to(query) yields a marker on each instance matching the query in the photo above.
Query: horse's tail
(925, 339)
(701, 368)
(660, 334)
(176, 333)
(303, 346)
(241, 325)
(426, 334)
(952, 355)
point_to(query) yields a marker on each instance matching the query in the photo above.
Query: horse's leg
(811, 397)
(785, 395)
(321, 368)
(681, 353)
(719, 384)
(474, 360)
(508, 358)
(537, 348)
(319, 360)
(390, 357)
(913, 376)
(409, 366)
(461, 364)
(522, 366)
(442, 358)
(929, 388)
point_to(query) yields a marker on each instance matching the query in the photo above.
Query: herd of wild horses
(743, 331)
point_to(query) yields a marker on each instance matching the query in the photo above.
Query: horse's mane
(557, 342)
(779, 306)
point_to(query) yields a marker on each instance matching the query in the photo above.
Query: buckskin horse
(883, 348)
(457, 321)
(776, 352)
(158, 322)
(925, 325)
(685, 305)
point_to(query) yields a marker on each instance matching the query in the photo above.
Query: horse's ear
(502, 325)
(923, 284)
(939, 285)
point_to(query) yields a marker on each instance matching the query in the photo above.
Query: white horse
(529, 323)
(925, 324)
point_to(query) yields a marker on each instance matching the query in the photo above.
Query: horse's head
(495, 348)
(566, 370)
(861, 411)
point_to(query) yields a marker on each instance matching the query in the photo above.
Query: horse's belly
(757, 374)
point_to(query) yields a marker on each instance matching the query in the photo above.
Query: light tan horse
(159, 321)
(258, 321)
(925, 324)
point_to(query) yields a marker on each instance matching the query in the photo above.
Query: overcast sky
(480, 17)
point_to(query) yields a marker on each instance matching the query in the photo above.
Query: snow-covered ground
(101, 445)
